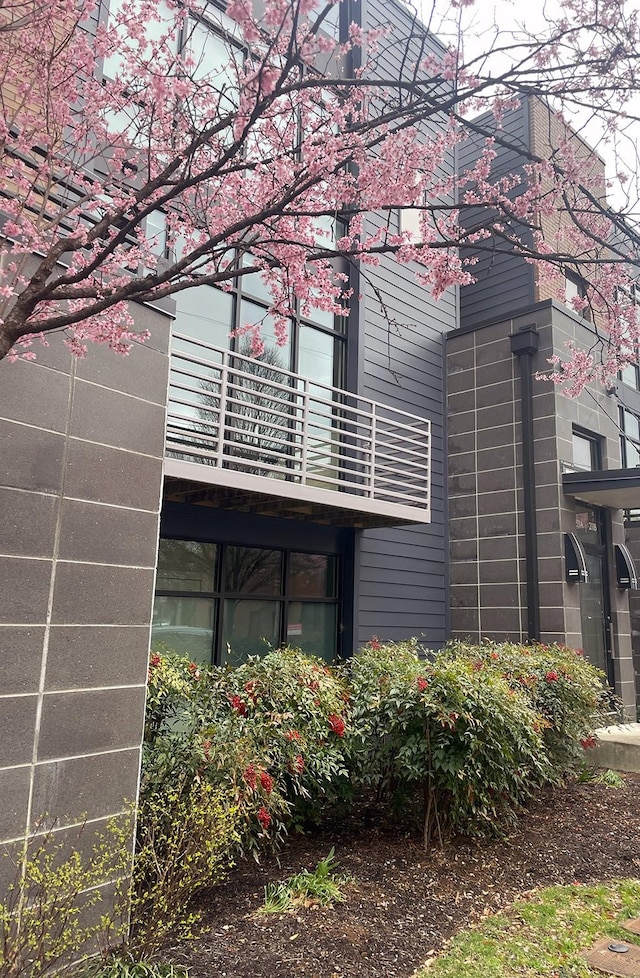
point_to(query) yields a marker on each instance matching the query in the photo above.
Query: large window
(629, 439)
(221, 603)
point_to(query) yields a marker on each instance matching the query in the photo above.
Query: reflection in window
(312, 576)
(629, 439)
(586, 451)
(210, 596)
(186, 565)
(252, 570)
(185, 625)
(250, 628)
(312, 628)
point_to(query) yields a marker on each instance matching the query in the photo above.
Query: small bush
(184, 844)
(51, 913)
(471, 733)
(268, 735)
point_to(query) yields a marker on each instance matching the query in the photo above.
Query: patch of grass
(541, 937)
(321, 887)
(125, 966)
(608, 778)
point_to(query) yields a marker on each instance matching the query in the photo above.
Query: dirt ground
(403, 904)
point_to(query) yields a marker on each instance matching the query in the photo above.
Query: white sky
(509, 15)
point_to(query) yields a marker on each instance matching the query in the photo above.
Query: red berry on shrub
(155, 659)
(264, 818)
(266, 781)
(551, 676)
(375, 643)
(292, 735)
(251, 777)
(238, 705)
(422, 683)
(337, 724)
(300, 763)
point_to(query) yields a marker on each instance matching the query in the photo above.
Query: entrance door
(595, 611)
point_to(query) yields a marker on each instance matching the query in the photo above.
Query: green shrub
(470, 734)
(51, 913)
(465, 737)
(183, 845)
(561, 685)
(268, 735)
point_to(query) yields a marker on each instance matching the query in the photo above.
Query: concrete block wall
(487, 550)
(80, 489)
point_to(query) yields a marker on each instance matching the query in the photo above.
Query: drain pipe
(524, 345)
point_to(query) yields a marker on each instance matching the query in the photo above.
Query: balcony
(245, 434)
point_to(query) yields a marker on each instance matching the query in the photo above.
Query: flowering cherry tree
(162, 145)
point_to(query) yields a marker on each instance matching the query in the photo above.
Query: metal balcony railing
(247, 422)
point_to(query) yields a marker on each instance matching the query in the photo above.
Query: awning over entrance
(615, 488)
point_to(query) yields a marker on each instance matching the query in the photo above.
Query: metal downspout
(524, 345)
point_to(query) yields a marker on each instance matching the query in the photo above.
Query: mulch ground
(403, 903)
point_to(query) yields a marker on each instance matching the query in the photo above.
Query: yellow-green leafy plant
(65, 900)
(184, 843)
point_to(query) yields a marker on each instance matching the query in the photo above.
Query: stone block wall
(80, 488)
(486, 507)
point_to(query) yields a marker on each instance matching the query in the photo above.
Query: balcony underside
(203, 485)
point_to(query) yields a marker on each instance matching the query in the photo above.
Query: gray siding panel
(401, 586)
(503, 281)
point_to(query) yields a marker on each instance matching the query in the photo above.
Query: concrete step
(618, 748)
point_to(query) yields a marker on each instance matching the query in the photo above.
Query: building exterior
(538, 482)
(299, 498)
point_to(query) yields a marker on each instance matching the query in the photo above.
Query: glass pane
(631, 455)
(213, 68)
(184, 625)
(185, 565)
(583, 452)
(254, 284)
(312, 628)
(204, 313)
(316, 355)
(320, 315)
(250, 628)
(249, 570)
(312, 576)
(629, 375)
(587, 524)
(114, 61)
(156, 232)
(252, 314)
(592, 613)
(631, 426)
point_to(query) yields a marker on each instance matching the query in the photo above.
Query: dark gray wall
(401, 587)
(504, 282)
(80, 485)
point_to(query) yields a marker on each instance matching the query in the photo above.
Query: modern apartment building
(299, 497)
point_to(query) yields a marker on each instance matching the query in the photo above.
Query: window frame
(220, 594)
(595, 442)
